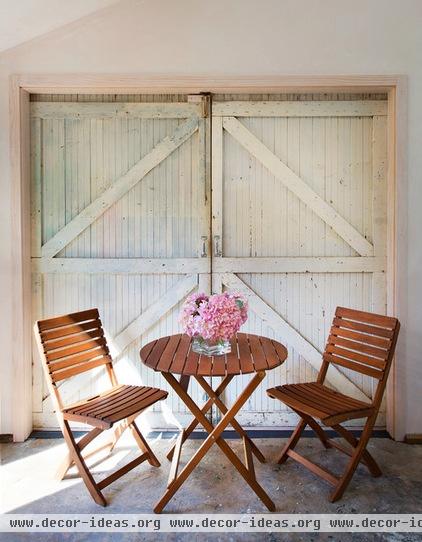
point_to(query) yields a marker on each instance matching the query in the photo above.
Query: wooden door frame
(21, 86)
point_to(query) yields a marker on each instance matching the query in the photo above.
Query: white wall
(249, 37)
(21, 21)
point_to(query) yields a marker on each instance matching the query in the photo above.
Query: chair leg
(64, 467)
(83, 470)
(137, 435)
(120, 429)
(143, 445)
(318, 430)
(82, 444)
(367, 458)
(355, 460)
(293, 440)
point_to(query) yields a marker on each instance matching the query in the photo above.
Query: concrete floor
(214, 487)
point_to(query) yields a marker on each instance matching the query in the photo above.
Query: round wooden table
(250, 354)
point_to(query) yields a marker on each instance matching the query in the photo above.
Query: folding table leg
(205, 408)
(236, 426)
(214, 437)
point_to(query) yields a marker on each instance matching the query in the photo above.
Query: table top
(249, 354)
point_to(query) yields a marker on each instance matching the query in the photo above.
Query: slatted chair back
(73, 344)
(363, 342)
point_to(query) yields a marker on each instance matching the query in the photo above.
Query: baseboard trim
(230, 435)
(413, 438)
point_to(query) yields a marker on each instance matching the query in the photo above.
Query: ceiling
(23, 20)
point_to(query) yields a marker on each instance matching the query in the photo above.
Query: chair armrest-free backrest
(72, 344)
(363, 342)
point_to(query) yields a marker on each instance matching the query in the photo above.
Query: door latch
(217, 247)
(204, 239)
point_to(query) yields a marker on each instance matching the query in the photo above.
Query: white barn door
(120, 221)
(299, 226)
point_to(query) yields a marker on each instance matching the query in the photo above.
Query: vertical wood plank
(217, 177)
(379, 149)
(21, 394)
(204, 186)
(36, 210)
(379, 216)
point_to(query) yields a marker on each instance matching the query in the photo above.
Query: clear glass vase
(210, 348)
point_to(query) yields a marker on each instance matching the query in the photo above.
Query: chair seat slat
(302, 395)
(95, 405)
(140, 398)
(120, 402)
(319, 401)
(80, 404)
(325, 400)
(295, 403)
(335, 397)
(158, 395)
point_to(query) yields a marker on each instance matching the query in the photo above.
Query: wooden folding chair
(70, 345)
(359, 341)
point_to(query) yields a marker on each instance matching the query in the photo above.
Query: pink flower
(216, 317)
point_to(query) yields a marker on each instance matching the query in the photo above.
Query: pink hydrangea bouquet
(213, 320)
